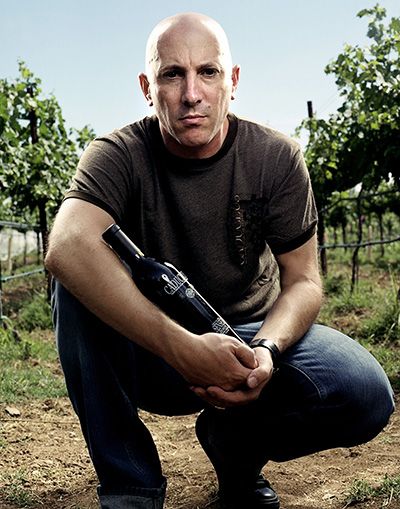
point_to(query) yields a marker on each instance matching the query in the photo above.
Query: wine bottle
(167, 287)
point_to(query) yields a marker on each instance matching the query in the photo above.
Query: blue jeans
(328, 392)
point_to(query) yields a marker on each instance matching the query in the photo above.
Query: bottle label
(220, 326)
(175, 283)
(190, 293)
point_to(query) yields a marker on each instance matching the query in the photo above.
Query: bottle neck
(123, 245)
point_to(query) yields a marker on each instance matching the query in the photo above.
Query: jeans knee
(367, 416)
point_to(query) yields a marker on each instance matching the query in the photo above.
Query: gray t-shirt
(220, 220)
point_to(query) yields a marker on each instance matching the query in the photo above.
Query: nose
(191, 90)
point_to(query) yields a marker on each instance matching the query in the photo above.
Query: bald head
(190, 82)
(186, 27)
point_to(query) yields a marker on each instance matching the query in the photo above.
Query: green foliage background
(359, 144)
(34, 174)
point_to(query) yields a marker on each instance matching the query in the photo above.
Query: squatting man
(230, 203)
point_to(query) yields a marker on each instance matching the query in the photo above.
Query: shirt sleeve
(103, 176)
(292, 215)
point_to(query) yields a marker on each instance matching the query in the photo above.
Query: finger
(202, 393)
(257, 377)
(219, 397)
(260, 376)
(246, 356)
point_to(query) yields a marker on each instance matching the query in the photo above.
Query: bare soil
(43, 455)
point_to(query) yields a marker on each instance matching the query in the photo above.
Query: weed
(333, 285)
(361, 490)
(20, 382)
(390, 488)
(341, 301)
(12, 346)
(15, 489)
(8, 332)
(28, 367)
(36, 314)
(384, 324)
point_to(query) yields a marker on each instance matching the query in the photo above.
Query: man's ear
(145, 86)
(235, 80)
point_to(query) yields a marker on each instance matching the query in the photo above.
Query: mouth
(191, 120)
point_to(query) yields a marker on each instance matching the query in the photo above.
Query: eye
(171, 73)
(209, 72)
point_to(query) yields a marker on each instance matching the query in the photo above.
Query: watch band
(269, 345)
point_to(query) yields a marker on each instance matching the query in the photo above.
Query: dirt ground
(42, 453)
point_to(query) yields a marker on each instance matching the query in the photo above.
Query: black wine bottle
(167, 287)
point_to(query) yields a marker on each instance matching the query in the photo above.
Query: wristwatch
(269, 345)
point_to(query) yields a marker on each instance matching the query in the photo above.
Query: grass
(361, 491)
(22, 383)
(371, 314)
(28, 358)
(35, 314)
(372, 310)
(15, 489)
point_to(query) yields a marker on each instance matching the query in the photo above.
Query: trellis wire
(354, 198)
(361, 244)
(22, 274)
(21, 227)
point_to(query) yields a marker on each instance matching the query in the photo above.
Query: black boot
(238, 488)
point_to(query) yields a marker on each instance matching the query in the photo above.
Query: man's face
(191, 85)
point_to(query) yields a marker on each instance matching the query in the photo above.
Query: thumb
(246, 356)
(257, 377)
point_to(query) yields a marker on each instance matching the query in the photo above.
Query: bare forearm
(301, 295)
(292, 314)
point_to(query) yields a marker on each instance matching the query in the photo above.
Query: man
(229, 203)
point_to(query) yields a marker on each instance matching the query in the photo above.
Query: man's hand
(255, 382)
(215, 360)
